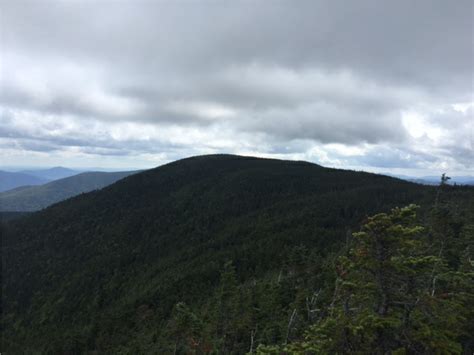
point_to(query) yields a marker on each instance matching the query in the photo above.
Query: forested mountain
(228, 254)
(9, 180)
(33, 198)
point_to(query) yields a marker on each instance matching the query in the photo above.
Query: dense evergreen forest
(231, 255)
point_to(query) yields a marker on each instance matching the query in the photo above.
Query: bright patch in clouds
(102, 103)
(463, 107)
(206, 110)
(347, 151)
(418, 125)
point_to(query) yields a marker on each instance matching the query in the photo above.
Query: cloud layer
(360, 84)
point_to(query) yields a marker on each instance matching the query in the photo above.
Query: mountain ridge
(11, 180)
(32, 198)
(51, 174)
(161, 236)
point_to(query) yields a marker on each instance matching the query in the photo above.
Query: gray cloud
(182, 77)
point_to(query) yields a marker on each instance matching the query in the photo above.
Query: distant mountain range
(435, 180)
(33, 198)
(52, 173)
(459, 180)
(10, 180)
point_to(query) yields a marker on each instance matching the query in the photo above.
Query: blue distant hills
(435, 180)
(50, 174)
(32, 190)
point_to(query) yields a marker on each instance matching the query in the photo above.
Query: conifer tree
(185, 328)
(226, 308)
(383, 299)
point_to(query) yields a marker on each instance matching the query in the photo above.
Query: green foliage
(185, 327)
(142, 265)
(385, 298)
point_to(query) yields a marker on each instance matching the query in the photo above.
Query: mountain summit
(103, 270)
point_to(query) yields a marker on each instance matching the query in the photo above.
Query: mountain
(33, 198)
(52, 173)
(139, 266)
(7, 216)
(11, 180)
(459, 180)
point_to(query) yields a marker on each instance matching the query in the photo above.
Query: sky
(366, 85)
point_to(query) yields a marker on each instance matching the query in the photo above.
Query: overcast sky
(372, 85)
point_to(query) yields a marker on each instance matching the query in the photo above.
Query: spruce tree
(383, 297)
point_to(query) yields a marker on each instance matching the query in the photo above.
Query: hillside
(104, 270)
(10, 180)
(7, 216)
(33, 198)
